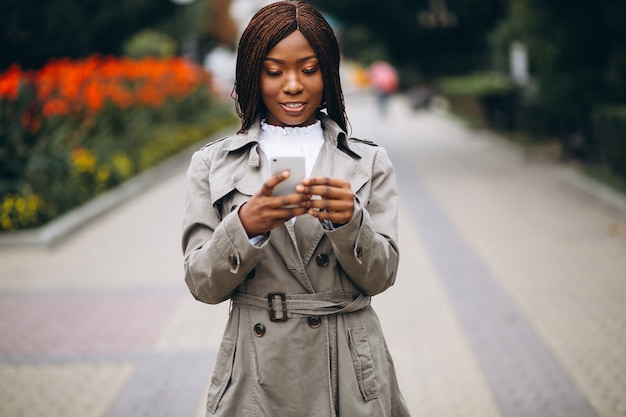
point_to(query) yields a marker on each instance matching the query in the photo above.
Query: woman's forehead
(294, 47)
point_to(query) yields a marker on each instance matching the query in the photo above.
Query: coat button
(314, 322)
(233, 261)
(322, 260)
(259, 330)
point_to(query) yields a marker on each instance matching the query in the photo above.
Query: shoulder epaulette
(365, 141)
(213, 142)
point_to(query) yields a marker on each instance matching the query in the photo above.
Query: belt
(281, 306)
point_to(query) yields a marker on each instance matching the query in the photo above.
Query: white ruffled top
(293, 141)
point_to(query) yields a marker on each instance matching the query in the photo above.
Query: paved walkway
(511, 297)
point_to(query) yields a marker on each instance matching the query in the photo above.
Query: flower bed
(76, 128)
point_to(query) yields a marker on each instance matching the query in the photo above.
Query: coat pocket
(363, 363)
(221, 374)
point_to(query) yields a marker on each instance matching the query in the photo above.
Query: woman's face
(291, 82)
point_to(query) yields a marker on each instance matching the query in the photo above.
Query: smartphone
(293, 164)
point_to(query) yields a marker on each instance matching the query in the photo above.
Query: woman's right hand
(264, 211)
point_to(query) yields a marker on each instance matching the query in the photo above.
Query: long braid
(322, 39)
(270, 25)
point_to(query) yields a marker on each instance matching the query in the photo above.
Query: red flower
(10, 82)
(82, 87)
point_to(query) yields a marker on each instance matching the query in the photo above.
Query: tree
(32, 31)
(453, 41)
(576, 54)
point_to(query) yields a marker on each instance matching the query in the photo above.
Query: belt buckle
(273, 296)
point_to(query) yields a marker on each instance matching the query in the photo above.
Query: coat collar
(240, 156)
(333, 134)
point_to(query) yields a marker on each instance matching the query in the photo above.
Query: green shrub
(150, 43)
(476, 85)
(78, 128)
(484, 99)
(609, 131)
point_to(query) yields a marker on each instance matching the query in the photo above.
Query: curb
(58, 229)
(605, 195)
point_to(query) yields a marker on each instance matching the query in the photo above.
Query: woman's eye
(272, 73)
(310, 70)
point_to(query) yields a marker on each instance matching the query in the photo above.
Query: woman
(302, 338)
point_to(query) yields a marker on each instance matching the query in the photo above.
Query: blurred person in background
(384, 79)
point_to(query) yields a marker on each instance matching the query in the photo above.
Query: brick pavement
(101, 324)
(509, 300)
(534, 268)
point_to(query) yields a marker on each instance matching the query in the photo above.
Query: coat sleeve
(217, 252)
(367, 246)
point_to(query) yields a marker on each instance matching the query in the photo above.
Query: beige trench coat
(302, 358)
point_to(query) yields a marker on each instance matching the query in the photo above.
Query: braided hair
(270, 25)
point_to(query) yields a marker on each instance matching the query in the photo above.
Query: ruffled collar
(314, 129)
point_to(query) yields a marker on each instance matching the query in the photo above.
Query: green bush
(609, 130)
(477, 84)
(78, 128)
(150, 43)
(484, 99)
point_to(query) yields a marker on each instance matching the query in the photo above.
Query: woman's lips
(295, 107)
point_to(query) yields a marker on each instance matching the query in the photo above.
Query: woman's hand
(264, 211)
(335, 202)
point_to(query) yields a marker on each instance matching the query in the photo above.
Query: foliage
(152, 43)
(575, 53)
(33, 31)
(606, 176)
(609, 127)
(78, 127)
(358, 43)
(458, 47)
(475, 84)
(485, 99)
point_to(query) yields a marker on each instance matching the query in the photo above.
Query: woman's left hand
(332, 199)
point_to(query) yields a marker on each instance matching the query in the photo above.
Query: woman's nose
(292, 84)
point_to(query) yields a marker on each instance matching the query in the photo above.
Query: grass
(606, 177)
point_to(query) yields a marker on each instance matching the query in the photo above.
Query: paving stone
(546, 247)
(192, 326)
(55, 390)
(437, 370)
(57, 324)
(165, 385)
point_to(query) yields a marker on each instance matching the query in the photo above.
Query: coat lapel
(333, 162)
(238, 166)
(283, 238)
(307, 232)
